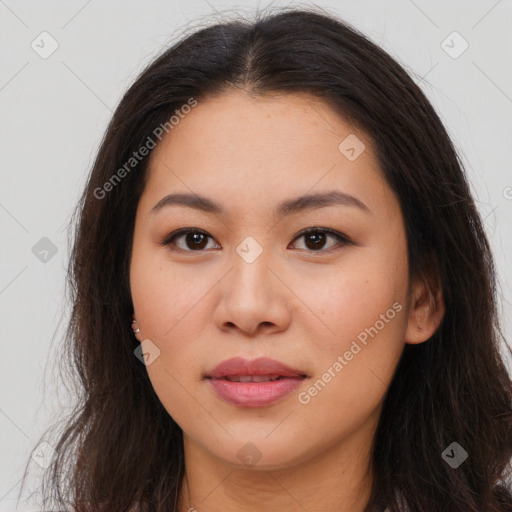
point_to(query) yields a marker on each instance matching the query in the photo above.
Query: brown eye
(193, 239)
(315, 239)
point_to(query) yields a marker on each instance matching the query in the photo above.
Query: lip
(262, 366)
(254, 394)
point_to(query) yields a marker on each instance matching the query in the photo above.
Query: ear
(135, 327)
(426, 311)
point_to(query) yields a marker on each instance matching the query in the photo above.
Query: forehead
(263, 148)
(238, 122)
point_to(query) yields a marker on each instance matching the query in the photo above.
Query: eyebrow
(287, 207)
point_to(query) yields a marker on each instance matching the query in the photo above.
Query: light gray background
(54, 112)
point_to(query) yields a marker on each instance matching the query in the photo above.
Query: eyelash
(341, 239)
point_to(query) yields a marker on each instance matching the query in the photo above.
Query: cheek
(163, 300)
(356, 356)
(355, 295)
(164, 295)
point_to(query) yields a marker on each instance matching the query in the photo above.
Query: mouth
(258, 383)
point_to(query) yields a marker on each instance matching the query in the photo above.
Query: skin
(301, 306)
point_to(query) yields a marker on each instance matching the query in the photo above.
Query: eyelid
(341, 238)
(183, 231)
(342, 241)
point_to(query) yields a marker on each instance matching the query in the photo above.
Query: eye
(316, 237)
(195, 240)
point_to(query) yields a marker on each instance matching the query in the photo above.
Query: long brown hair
(120, 449)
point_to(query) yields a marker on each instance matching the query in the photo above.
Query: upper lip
(261, 366)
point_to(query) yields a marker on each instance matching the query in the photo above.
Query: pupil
(317, 238)
(195, 238)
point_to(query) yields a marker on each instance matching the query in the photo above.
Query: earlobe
(135, 328)
(426, 312)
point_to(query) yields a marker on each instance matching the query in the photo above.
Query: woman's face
(246, 283)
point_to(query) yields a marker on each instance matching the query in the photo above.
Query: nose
(253, 298)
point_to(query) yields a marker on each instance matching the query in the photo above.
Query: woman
(284, 298)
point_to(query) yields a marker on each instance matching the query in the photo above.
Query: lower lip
(255, 394)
